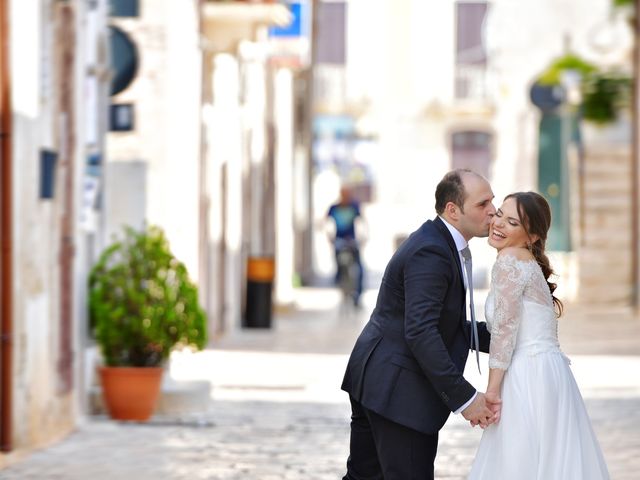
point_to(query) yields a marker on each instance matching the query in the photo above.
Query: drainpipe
(204, 278)
(305, 261)
(635, 158)
(6, 232)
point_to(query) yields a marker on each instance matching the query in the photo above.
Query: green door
(556, 133)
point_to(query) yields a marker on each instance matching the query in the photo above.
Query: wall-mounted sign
(289, 45)
(121, 117)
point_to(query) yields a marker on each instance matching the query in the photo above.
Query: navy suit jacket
(407, 363)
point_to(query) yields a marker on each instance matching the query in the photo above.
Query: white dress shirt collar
(457, 236)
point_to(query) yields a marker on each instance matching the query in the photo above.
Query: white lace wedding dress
(544, 432)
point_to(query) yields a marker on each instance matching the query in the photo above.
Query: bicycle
(348, 273)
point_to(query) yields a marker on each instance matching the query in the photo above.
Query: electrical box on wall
(48, 160)
(121, 117)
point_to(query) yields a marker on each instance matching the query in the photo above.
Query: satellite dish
(124, 60)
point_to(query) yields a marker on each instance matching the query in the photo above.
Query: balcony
(470, 82)
(226, 23)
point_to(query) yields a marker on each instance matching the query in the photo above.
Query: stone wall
(49, 71)
(605, 251)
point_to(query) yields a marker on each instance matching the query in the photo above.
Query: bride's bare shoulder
(518, 253)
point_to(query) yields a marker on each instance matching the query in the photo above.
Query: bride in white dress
(542, 431)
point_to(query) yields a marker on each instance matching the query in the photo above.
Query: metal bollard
(260, 276)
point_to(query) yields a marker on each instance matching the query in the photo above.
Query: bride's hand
(494, 402)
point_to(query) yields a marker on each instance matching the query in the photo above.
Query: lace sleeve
(508, 281)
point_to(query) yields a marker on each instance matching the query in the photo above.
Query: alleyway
(277, 411)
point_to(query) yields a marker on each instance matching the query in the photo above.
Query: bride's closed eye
(499, 213)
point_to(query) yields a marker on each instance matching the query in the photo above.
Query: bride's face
(506, 229)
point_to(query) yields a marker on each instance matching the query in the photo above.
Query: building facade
(208, 155)
(54, 86)
(448, 85)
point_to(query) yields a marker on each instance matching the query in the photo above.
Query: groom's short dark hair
(451, 189)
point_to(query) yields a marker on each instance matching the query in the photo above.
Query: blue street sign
(296, 28)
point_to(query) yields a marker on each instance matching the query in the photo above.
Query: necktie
(475, 344)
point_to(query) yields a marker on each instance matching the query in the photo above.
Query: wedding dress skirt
(544, 432)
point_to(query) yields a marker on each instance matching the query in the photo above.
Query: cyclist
(345, 213)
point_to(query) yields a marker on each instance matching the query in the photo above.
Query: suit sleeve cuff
(459, 410)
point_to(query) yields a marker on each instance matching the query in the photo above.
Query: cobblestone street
(277, 411)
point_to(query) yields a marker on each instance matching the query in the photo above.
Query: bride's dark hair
(535, 214)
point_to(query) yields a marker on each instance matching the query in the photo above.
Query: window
(471, 56)
(471, 149)
(332, 18)
(124, 8)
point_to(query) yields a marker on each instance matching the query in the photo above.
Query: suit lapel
(442, 228)
(454, 251)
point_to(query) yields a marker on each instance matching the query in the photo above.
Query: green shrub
(553, 74)
(623, 3)
(604, 95)
(142, 303)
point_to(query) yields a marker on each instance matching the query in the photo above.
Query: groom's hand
(478, 412)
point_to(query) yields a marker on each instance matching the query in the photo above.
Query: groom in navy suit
(404, 376)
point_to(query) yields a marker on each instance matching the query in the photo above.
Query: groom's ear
(452, 210)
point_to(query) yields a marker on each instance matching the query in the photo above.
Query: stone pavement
(277, 411)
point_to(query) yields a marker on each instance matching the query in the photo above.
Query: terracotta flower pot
(130, 393)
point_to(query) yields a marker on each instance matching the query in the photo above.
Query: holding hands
(484, 410)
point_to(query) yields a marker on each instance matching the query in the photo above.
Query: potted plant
(142, 305)
(604, 93)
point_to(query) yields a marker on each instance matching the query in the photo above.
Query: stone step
(602, 200)
(606, 243)
(614, 226)
(611, 269)
(595, 256)
(607, 224)
(604, 265)
(608, 164)
(600, 203)
(608, 157)
(605, 275)
(605, 294)
(613, 277)
(608, 167)
(597, 185)
(609, 274)
(607, 188)
(607, 151)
